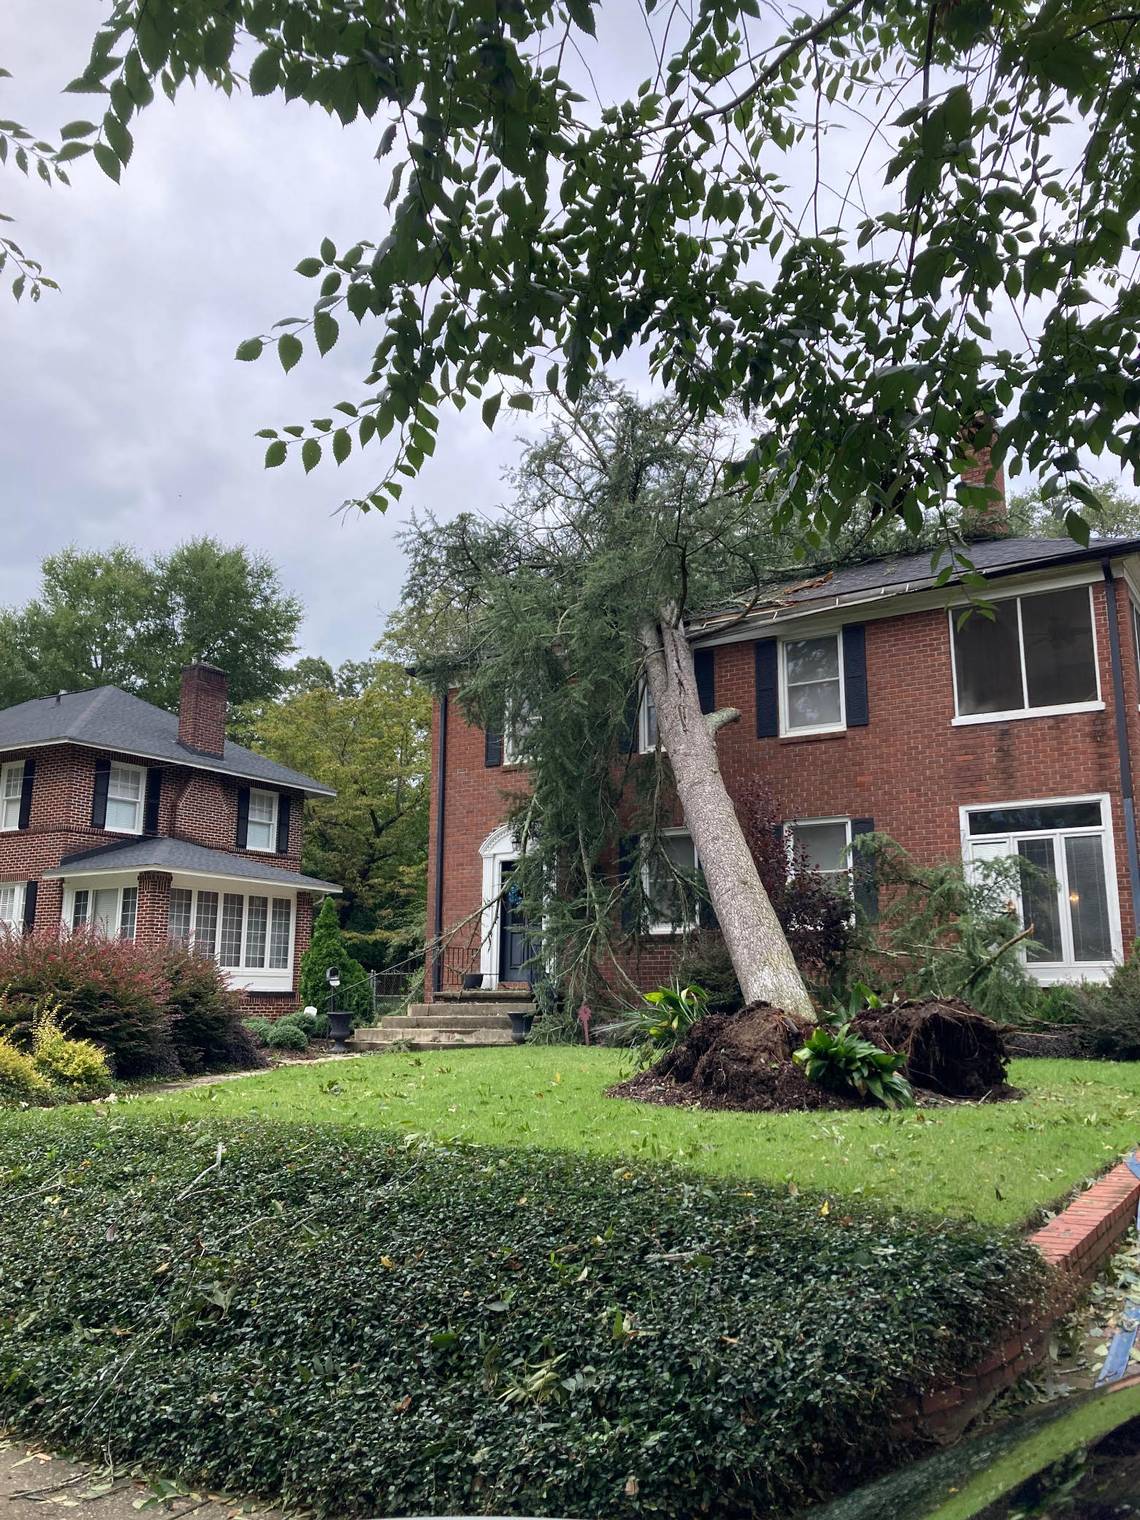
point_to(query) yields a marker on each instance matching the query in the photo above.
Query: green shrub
(206, 1024)
(77, 1067)
(20, 1079)
(286, 1034)
(704, 961)
(258, 1029)
(844, 1062)
(327, 948)
(1059, 1004)
(512, 1332)
(1108, 1015)
(111, 991)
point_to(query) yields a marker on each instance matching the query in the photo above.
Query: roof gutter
(1112, 592)
(440, 812)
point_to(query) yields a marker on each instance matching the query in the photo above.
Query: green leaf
(491, 409)
(1075, 525)
(310, 454)
(118, 137)
(265, 72)
(275, 454)
(582, 14)
(250, 349)
(342, 445)
(78, 129)
(289, 350)
(107, 161)
(72, 150)
(310, 268)
(328, 250)
(522, 402)
(325, 330)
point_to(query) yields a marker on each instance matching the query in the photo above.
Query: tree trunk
(761, 958)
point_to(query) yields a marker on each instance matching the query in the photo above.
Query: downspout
(440, 806)
(1122, 746)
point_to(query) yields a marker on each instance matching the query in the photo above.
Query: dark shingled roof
(160, 854)
(897, 574)
(109, 718)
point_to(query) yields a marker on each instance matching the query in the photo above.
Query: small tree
(327, 949)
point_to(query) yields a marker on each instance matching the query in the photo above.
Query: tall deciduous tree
(113, 618)
(626, 520)
(365, 729)
(726, 215)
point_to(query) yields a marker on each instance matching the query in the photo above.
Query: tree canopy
(365, 729)
(113, 617)
(721, 216)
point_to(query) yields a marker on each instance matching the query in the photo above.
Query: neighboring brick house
(865, 706)
(156, 827)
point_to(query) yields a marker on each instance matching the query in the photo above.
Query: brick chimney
(988, 519)
(202, 708)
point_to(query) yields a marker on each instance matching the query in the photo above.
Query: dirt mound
(949, 1047)
(736, 1060)
(744, 1060)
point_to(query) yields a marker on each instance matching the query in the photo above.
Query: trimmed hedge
(365, 1326)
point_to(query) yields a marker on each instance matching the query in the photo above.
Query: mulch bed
(743, 1060)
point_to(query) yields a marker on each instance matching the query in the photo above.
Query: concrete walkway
(35, 1484)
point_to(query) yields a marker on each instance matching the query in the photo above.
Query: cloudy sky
(123, 417)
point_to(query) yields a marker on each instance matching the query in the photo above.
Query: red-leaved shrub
(111, 991)
(205, 1016)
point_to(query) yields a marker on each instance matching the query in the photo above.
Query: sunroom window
(11, 904)
(1066, 888)
(109, 911)
(253, 932)
(1035, 653)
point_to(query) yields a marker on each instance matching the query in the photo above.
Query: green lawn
(994, 1163)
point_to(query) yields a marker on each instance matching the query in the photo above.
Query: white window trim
(963, 720)
(786, 730)
(271, 847)
(5, 769)
(670, 928)
(1048, 972)
(643, 745)
(792, 824)
(247, 978)
(140, 804)
(94, 884)
(21, 893)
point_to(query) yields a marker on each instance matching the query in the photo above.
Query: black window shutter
(282, 825)
(855, 674)
(767, 689)
(492, 747)
(99, 796)
(628, 848)
(242, 837)
(31, 892)
(705, 667)
(153, 794)
(26, 793)
(865, 887)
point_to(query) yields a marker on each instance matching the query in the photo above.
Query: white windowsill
(247, 980)
(1027, 712)
(1049, 972)
(807, 733)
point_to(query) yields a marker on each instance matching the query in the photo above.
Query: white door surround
(498, 849)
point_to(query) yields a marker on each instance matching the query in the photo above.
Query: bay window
(1025, 654)
(241, 931)
(1066, 880)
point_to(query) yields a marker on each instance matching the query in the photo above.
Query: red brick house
(865, 706)
(154, 826)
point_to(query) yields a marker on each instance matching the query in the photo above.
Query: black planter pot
(520, 1026)
(340, 1027)
(472, 980)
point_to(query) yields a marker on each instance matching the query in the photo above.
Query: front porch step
(484, 995)
(459, 1015)
(412, 1037)
(456, 1022)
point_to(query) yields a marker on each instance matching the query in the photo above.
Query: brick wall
(909, 770)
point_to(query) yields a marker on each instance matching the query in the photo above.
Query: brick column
(49, 909)
(152, 928)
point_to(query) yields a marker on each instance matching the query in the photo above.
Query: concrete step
(426, 1039)
(456, 1021)
(488, 1013)
(484, 995)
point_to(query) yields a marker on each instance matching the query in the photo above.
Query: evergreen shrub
(380, 1327)
(327, 948)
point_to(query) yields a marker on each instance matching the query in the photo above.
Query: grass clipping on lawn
(364, 1326)
(745, 1060)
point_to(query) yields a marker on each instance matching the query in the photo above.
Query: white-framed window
(242, 931)
(826, 846)
(1067, 879)
(516, 735)
(110, 911)
(126, 786)
(11, 793)
(670, 906)
(1026, 655)
(261, 833)
(647, 733)
(12, 904)
(812, 699)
